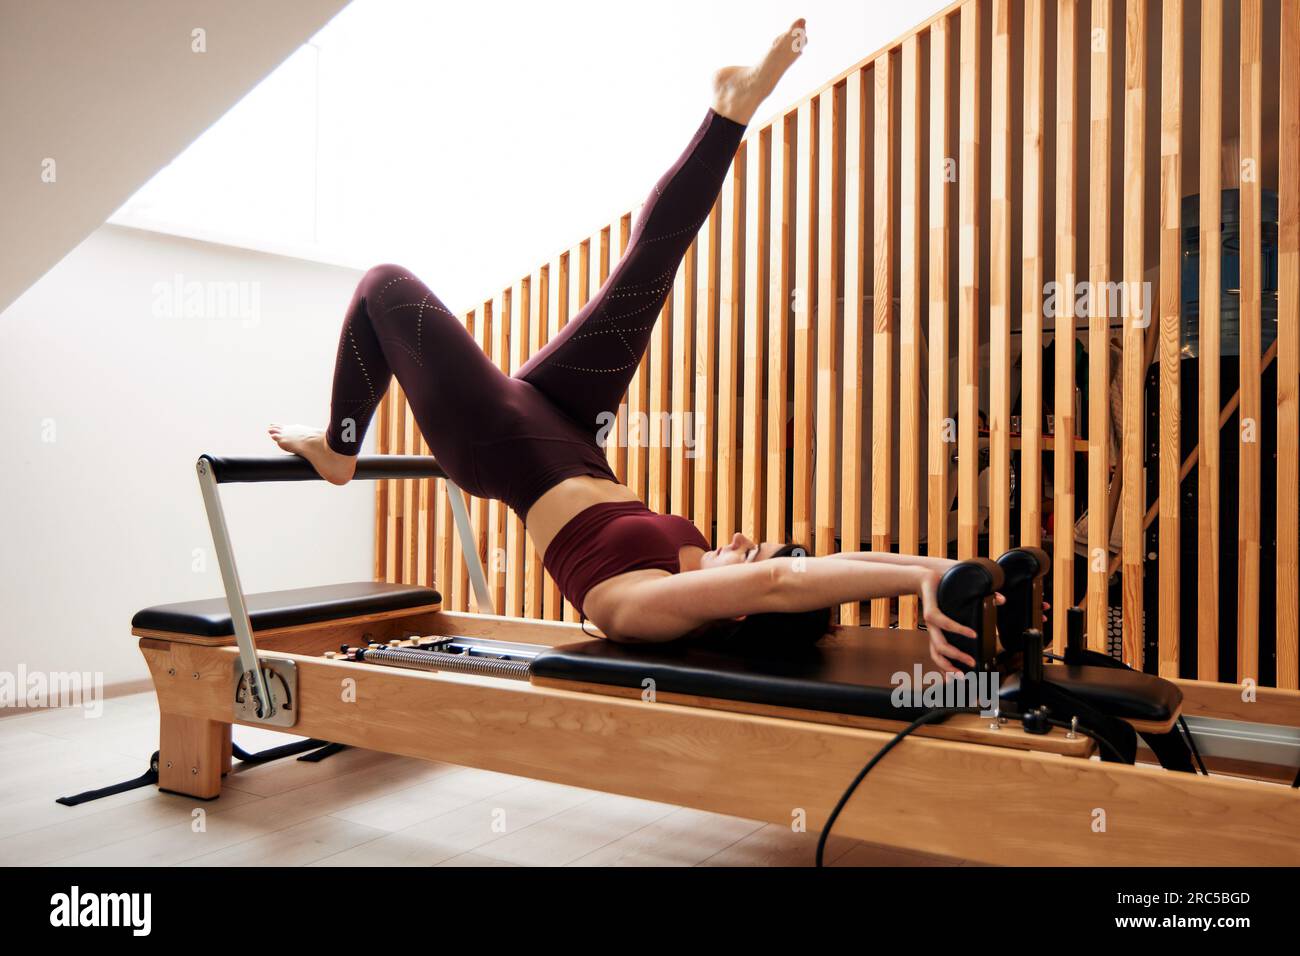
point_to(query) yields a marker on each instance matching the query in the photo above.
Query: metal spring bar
(420, 660)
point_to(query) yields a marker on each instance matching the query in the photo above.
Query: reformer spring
(427, 660)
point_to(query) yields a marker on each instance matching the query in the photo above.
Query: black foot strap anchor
(311, 750)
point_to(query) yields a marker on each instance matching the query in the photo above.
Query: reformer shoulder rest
(276, 609)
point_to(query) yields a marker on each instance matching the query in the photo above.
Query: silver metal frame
(253, 675)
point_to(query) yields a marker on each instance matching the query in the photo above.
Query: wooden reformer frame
(960, 789)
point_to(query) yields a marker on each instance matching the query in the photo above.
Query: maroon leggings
(514, 437)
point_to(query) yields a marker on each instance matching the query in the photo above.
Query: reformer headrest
(274, 609)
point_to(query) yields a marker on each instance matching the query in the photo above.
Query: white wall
(107, 404)
(471, 142)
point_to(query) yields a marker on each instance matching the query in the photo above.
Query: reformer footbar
(256, 699)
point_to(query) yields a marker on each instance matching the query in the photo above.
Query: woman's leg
(395, 326)
(586, 368)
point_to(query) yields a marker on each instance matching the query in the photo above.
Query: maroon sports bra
(612, 538)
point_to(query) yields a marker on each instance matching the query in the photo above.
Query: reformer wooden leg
(192, 755)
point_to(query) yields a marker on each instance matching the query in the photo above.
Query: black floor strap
(150, 776)
(279, 753)
(312, 750)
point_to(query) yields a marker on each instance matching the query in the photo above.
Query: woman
(530, 439)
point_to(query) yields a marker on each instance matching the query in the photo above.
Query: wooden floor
(355, 808)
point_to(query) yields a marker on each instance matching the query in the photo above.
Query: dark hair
(772, 630)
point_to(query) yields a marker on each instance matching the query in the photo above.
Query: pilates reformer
(1036, 763)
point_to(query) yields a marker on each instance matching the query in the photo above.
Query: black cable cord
(929, 717)
(1191, 742)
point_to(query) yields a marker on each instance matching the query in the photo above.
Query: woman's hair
(772, 630)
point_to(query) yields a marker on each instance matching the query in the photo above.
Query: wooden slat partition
(805, 273)
(730, 318)
(1032, 275)
(1207, 470)
(941, 433)
(1248, 505)
(1288, 354)
(766, 404)
(829, 269)
(706, 358)
(1067, 85)
(857, 95)
(883, 332)
(1171, 191)
(911, 180)
(780, 304)
(758, 259)
(1104, 39)
(968, 286)
(1136, 322)
(999, 297)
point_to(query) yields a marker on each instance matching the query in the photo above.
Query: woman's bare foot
(738, 90)
(309, 443)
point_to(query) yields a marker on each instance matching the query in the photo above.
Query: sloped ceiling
(97, 95)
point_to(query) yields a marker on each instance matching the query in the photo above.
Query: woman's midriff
(558, 506)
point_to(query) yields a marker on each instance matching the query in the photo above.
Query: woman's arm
(889, 557)
(664, 608)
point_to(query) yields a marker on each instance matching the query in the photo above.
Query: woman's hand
(937, 623)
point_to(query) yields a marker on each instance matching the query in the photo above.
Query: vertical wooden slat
(940, 161)
(424, 542)
(480, 508)
(1099, 272)
(1207, 470)
(856, 230)
(968, 285)
(579, 281)
(382, 489)
(882, 323)
(618, 450)
(683, 426)
(780, 304)
(660, 395)
(393, 535)
(1136, 322)
(1248, 508)
(804, 301)
(706, 357)
(1171, 191)
(1067, 81)
(557, 317)
(446, 545)
(516, 540)
(1030, 484)
(1000, 282)
(638, 402)
(909, 309)
(729, 320)
(410, 508)
(536, 580)
(829, 216)
(1288, 354)
(758, 196)
(459, 570)
(499, 557)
